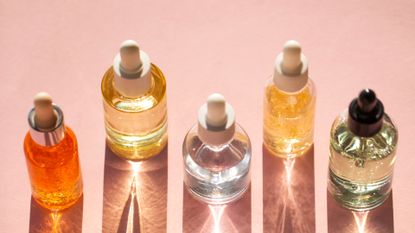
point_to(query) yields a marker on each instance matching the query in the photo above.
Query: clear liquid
(360, 174)
(136, 127)
(217, 175)
(289, 120)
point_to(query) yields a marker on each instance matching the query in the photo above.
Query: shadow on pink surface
(288, 192)
(135, 194)
(46, 221)
(202, 218)
(341, 220)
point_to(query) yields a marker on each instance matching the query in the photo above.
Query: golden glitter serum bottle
(52, 157)
(289, 104)
(135, 107)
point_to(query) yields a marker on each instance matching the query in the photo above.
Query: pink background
(64, 48)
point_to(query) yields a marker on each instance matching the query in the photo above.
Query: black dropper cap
(365, 114)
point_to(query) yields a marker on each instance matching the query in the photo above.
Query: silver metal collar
(51, 136)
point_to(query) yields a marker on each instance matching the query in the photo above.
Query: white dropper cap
(46, 121)
(45, 117)
(132, 70)
(291, 68)
(216, 121)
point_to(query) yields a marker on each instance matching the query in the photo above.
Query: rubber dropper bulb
(130, 56)
(291, 61)
(367, 100)
(45, 117)
(216, 110)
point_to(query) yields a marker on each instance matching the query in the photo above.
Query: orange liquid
(54, 171)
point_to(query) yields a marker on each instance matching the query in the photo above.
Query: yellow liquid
(289, 120)
(361, 168)
(136, 127)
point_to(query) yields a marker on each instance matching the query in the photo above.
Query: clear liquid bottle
(217, 154)
(289, 105)
(135, 105)
(52, 159)
(363, 143)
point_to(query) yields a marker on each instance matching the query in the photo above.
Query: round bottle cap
(216, 121)
(366, 114)
(132, 70)
(291, 68)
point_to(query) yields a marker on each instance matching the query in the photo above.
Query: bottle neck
(136, 83)
(365, 124)
(290, 82)
(213, 135)
(48, 137)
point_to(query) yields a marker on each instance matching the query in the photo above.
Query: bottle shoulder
(289, 103)
(376, 147)
(155, 96)
(217, 158)
(51, 156)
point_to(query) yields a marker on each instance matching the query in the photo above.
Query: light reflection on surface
(135, 194)
(360, 219)
(341, 220)
(135, 166)
(46, 221)
(232, 218)
(288, 189)
(289, 165)
(217, 212)
(132, 205)
(56, 221)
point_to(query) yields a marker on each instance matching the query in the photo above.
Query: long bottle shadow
(341, 220)
(135, 194)
(232, 218)
(288, 192)
(44, 220)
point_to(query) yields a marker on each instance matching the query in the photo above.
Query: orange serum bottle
(52, 160)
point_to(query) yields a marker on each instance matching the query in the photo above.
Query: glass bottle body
(217, 174)
(289, 120)
(136, 127)
(54, 171)
(360, 168)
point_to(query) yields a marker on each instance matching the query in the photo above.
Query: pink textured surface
(64, 47)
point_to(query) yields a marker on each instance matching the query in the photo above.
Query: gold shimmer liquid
(289, 120)
(289, 105)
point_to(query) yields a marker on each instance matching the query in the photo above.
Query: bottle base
(218, 201)
(290, 148)
(137, 147)
(359, 197)
(57, 201)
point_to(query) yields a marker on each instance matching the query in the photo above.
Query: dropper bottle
(135, 105)
(363, 143)
(52, 157)
(217, 154)
(289, 105)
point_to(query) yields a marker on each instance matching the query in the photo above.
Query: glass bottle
(363, 143)
(289, 105)
(52, 159)
(217, 154)
(135, 106)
